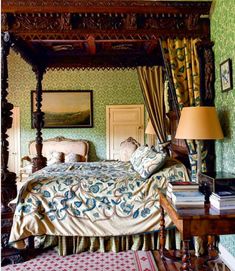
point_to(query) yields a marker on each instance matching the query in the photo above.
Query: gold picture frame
(65, 109)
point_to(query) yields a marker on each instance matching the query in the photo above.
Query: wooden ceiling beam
(91, 45)
(150, 46)
(96, 6)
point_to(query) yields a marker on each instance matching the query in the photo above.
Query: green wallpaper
(109, 87)
(223, 34)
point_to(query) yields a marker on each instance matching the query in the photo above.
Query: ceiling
(100, 34)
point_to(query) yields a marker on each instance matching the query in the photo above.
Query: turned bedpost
(8, 183)
(38, 121)
(207, 89)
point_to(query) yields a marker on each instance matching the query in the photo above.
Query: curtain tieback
(163, 145)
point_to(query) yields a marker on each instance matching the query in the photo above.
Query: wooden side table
(195, 222)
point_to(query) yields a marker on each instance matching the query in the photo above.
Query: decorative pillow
(137, 156)
(72, 157)
(151, 162)
(55, 158)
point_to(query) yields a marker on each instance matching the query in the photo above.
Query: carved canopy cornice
(74, 33)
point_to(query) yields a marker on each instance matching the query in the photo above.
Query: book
(222, 199)
(220, 205)
(193, 205)
(182, 186)
(187, 196)
(225, 206)
(224, 194)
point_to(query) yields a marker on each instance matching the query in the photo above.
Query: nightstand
(215, 181)
(206, 221)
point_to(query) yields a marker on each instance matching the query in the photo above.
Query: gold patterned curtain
(182, 58)
(152, 85)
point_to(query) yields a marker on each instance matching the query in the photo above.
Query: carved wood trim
(8, 185)
(38, 121)
(104, 6)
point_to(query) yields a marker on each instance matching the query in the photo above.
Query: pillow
(55, 157)
(138, 155)
(151, 162)
(72, 157)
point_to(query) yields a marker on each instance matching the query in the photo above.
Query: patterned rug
(88, 261)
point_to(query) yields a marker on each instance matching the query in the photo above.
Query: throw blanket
(91, 199)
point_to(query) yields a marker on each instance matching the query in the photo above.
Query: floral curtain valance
(182, 61)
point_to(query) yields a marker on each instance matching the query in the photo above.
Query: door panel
(122, 122)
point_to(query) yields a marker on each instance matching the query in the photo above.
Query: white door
(123, 121)
(14, 142)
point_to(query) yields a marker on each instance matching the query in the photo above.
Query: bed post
(8, 179)
(38, 121)
(8, 184)
(207, 68)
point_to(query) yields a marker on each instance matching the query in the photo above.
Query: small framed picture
(226, 75)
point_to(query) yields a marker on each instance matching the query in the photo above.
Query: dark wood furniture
(206, 221)
(107, 34)
(10, 255)
(215, 181)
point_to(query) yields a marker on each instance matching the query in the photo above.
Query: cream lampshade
(149, 129)
(199, 123)
(151, 135)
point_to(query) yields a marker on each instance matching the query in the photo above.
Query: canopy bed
(100, 35)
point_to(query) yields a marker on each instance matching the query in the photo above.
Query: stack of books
(181, 187)
(188, 199)
(223, 200)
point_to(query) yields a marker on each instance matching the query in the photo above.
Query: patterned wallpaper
(223, 34)
(109, 87)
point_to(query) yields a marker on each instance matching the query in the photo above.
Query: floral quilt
(105, 198)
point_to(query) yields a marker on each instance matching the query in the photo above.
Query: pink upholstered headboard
(62, 144)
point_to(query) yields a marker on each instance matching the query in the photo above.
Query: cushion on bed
(147, 161)
(138, 155)
(55, 157)
(72, 157)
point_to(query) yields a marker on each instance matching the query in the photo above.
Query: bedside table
(215, 181)
(205, 221)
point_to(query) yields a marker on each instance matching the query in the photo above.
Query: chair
(127, 147)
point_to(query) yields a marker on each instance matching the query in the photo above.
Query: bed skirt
(66, 245)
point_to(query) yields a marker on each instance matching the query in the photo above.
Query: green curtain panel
(182, 58)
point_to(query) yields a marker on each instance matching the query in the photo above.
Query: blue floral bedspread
(91, 199)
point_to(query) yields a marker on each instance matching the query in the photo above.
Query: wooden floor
(198, 264)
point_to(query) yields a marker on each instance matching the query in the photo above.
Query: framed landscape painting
(65, 109)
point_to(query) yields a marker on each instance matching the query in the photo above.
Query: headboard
(62, 144)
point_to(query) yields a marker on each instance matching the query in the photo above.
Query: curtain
(182, 58)
(152, 85)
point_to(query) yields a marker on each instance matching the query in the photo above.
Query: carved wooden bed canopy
(107, 33)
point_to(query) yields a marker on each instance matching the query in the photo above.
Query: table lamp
(149, 129)
(199, 123)
(152, 135)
